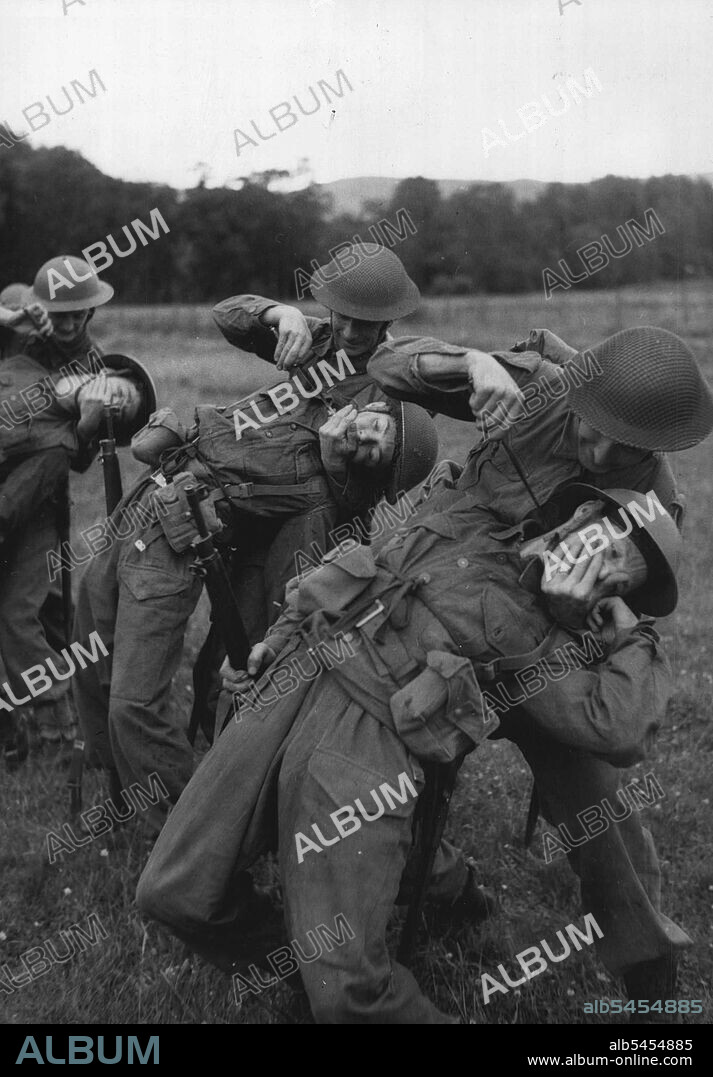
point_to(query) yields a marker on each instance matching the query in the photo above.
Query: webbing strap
(240, 490)
(488, 671)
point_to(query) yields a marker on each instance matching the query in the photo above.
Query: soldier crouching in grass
(140, 592)
(441, 602)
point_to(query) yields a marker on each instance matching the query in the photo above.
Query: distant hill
(349, 195)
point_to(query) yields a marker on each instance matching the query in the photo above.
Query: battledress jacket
(238, 319)
(540, 450)
(446, 595)
(440, 602)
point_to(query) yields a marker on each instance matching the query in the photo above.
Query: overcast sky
(427, 75)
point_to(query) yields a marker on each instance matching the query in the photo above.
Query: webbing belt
(241, 490)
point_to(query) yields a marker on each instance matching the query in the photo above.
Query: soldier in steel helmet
(365, 288)
(435, 619)
(551, 415)
(54, 392)
(618, 868)
(140, 592)
(52, 323)
(604, 415)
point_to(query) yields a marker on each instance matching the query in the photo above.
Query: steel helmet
(653, 531)
(15, 296)
(416, 448)
(650, 393)
(67, 283)
(375, 288)
(132, 368)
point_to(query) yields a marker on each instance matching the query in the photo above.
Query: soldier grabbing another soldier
(288, 462)
(54, 389)
(409, 696)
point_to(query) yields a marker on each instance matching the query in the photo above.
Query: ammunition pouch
(440, 714)
(177, 521)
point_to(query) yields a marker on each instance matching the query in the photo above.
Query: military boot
(655, 981)
(13, 740)
(56, 723)
(473, 905)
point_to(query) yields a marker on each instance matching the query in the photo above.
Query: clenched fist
(294, 339)
(496, 401)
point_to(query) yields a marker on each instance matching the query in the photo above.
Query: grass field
(141, 975)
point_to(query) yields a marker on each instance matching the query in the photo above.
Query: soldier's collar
(529, 578)
(566, 447)
(526, 529)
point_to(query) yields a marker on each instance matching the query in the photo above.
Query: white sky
(428, 76)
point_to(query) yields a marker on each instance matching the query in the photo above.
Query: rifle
(74, 777)
(113, 491)
(433, 813)
(112, 495)
(227, 626)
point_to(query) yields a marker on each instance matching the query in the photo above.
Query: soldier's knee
(331, 1011)
(345, 1003)
(153, 899)
(146, 898)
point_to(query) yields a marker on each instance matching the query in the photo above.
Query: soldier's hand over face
(338, 440)
(294, 340)
(92, 399)
(570, 589)
(496, 401)
(611, 616)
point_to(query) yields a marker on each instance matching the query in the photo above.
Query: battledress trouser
(139, 601)
(24, 591)
(314, 752)
(618, 868)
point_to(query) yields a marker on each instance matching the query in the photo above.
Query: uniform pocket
(155, 572)
(344, 781)
(506, 627)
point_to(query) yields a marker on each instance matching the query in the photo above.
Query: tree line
(223, 241)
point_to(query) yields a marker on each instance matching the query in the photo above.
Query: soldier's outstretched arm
(460, 382)
(248, 321)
